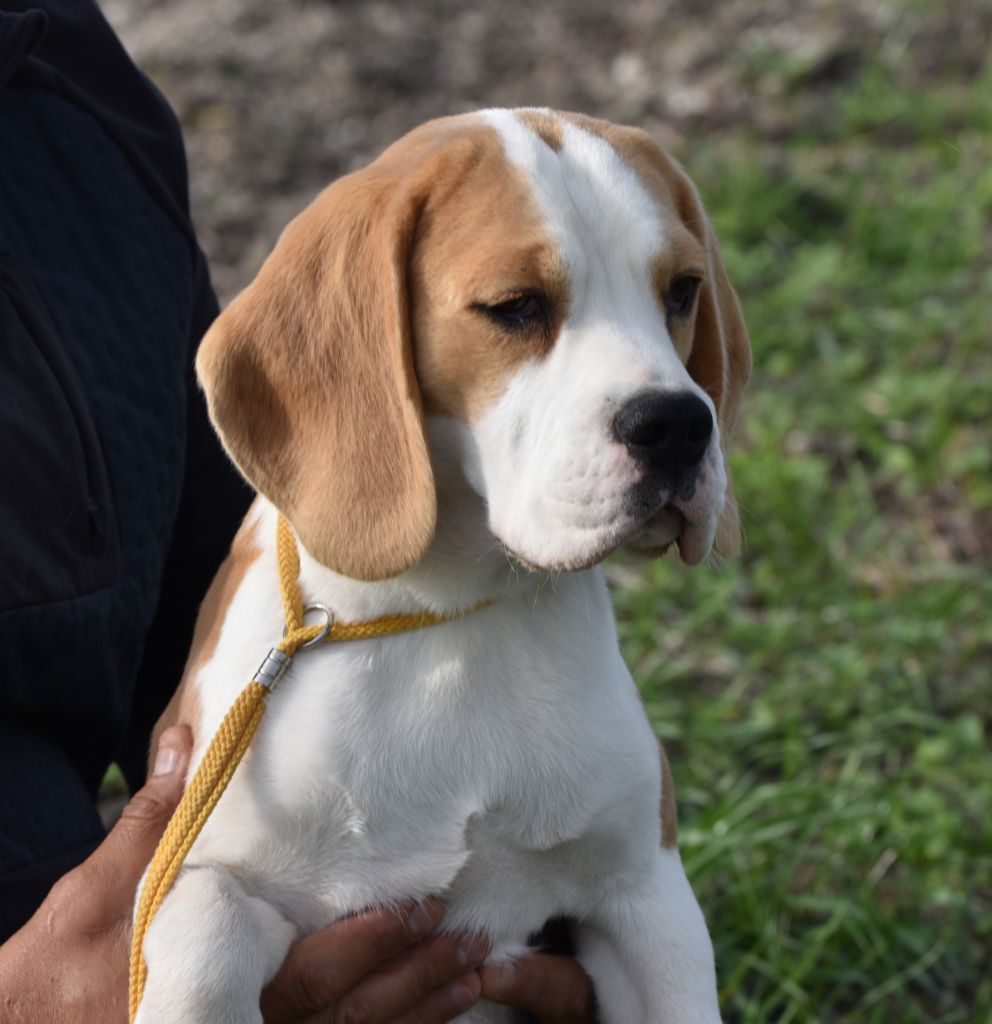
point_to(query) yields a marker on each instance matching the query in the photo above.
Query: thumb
(131, 842)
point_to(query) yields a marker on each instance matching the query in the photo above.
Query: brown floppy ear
(720, 362)
(310, 382)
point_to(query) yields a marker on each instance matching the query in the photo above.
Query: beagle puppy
(466, 375)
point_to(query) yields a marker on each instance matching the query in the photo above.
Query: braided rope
(231, 741)
(204, 790)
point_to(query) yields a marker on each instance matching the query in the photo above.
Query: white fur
(502, 760)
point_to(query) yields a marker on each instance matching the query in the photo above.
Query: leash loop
(325, 630)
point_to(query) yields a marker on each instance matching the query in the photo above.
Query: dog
(466, 374)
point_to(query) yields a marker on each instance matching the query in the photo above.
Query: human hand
(380, 967)
(69, 963)
(363, 969)
(555, 989)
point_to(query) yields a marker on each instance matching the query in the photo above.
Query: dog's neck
(464, 566)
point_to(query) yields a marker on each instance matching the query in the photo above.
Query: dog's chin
(576, 564)
(577, 561)
(649, 539)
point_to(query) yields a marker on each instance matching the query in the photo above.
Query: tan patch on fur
(184, 707)
(669, 812)
(546, 125)
(718, 354)
(483, 243)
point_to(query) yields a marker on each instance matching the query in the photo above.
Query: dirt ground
(278, 98)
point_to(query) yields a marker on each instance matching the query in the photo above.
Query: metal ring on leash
(325, 632)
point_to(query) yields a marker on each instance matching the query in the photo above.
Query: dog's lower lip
(668, 516)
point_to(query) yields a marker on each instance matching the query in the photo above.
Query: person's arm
(69, 963)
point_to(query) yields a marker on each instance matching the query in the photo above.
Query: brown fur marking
(546, 125)
(184, 707)
(480, 244)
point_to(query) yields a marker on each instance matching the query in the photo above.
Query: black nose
(664, 429)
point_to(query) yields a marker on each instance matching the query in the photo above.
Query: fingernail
(501, 978)
(465, 993)
(165, 760)
(472, 950)
(420, 920)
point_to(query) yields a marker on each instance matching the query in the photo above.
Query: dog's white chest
(482, 760)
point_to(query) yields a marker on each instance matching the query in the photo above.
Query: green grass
(826, 699)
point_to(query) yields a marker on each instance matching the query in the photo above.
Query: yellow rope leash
(235, 733)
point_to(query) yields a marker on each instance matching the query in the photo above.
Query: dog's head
(547, 283)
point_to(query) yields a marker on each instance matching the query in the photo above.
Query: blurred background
(826, 698)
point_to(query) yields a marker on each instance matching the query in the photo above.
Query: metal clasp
(272, 669)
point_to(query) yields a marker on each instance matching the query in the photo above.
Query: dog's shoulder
(184, 708)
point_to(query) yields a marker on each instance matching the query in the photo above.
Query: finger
(446, 1004)
(555, 989)
(126, 851)
(410, 983)
(324, 966)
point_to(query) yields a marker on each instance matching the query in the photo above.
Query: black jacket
(116, 501)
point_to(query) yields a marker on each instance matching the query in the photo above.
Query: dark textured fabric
(116, 502)
(67, 48)
(21, 33)
(59, 536)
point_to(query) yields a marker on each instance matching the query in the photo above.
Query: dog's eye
(521, 311)
(681, 295)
